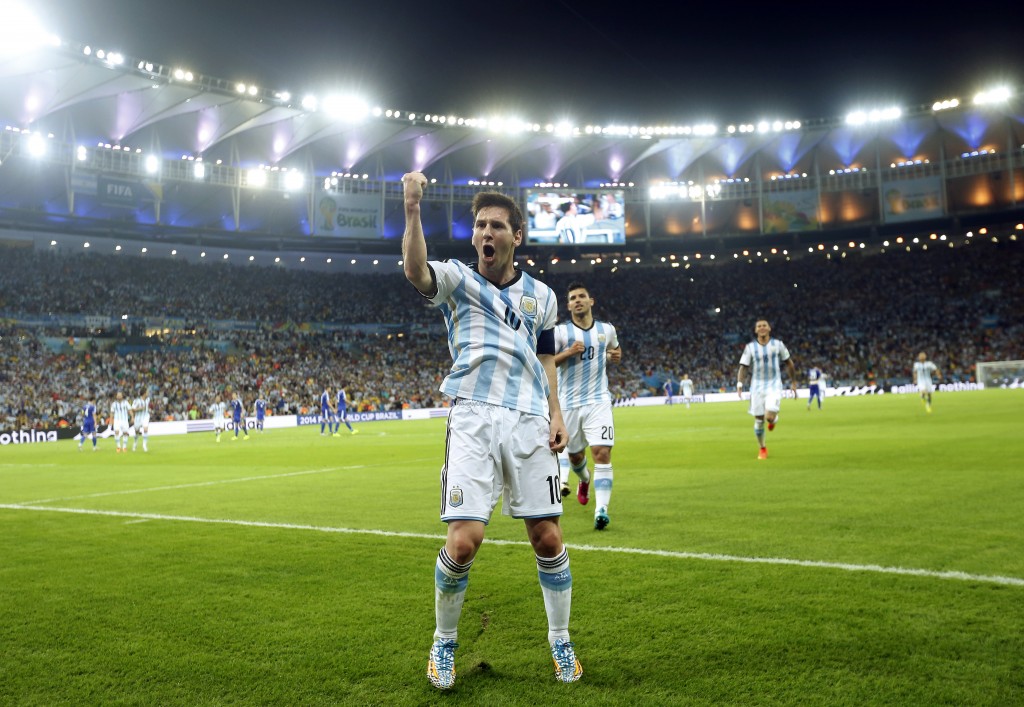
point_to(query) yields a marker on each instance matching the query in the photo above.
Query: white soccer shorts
(590, 426)
(928, 387)
(494, 452)
(762, 402)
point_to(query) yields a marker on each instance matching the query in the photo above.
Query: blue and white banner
(912, 199)
(347, 215)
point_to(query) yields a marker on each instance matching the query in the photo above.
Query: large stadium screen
(567, 218)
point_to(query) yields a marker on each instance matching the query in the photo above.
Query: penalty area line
(709, 557)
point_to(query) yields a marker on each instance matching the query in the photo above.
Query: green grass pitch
(876, 558)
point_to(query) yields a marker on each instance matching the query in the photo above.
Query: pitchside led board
(347, 215)
(566, 218)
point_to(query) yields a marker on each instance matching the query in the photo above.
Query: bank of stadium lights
(615, 185)
(183, 75)
(792, 175)
(765, 126)
(878, 115)
(909, 163)
(999, 94)
(977, 153)
(688, 190)
(484, 183)
(846, 170)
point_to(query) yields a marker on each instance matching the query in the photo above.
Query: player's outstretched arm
(414, 243)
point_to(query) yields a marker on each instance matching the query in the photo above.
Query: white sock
(602, 485)
(450, 582)
(582, 472)
(556, 586)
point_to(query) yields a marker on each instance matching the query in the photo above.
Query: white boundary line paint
(215, 482)
(711, 557)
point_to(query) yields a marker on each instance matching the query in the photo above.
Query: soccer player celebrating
(585, 346)
(120, 410)
(505, 426)
(140, 419)
(764, 357)
(923, 370)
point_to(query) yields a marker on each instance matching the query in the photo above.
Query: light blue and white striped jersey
(765, 362)
(492, 336)
(217, 410)
(583, 379)
(923, 371)
(120, 410)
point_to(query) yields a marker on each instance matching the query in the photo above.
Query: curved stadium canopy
(92, 115)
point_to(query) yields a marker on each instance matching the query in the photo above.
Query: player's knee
(602, 455)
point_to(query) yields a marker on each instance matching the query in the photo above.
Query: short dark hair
(484, 199)
(577, 285)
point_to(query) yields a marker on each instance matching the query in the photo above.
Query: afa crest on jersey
(455, 497)
(602, 338)
(528, 306)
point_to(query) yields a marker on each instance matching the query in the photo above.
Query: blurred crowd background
(74, 327)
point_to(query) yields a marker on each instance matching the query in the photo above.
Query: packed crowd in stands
(862, 319)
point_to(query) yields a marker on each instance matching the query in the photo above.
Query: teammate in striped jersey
(505, 428)
(764, 357)
(120, 410)
(923, 370)
(585, 346)
(217, 411)
(140, 419)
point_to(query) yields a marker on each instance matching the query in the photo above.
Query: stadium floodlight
(346, 108)
(294, 181)
(81, 153)
(999, 94)
(199, 170)
(256, 177)
(23, 31)
(152, 164)
(36, 145)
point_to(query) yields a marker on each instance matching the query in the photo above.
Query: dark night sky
(589, 62)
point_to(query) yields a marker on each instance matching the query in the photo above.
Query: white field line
(198, 484)
(711, 557)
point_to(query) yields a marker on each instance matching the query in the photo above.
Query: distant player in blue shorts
(341, 412)
(327, 416)
(238, 415)
(260, 408)
(88, 423)
(815, 382)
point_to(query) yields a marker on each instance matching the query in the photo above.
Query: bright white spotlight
(346, 108)
(152, 164)
(294, 181)
(256, 177)
(36, 145)
(199, 170)
(22, 31)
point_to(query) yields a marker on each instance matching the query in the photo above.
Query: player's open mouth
(488, 251)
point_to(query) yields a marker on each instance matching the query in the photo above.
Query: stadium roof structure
(73, 114)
